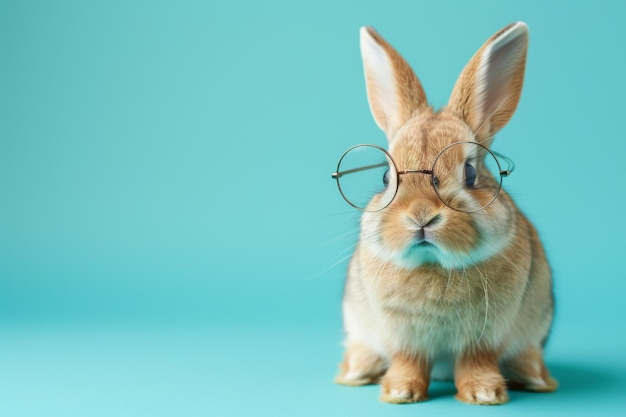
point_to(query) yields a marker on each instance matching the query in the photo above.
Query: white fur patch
(536, 382)
(517, 29)
(481, 101)
(486, 396)
(353, 376)
(480, 88)
(400, 394)
(381, 79)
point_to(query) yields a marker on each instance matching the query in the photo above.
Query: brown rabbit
(443, 274)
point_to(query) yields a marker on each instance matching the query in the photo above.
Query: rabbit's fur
(478, 298)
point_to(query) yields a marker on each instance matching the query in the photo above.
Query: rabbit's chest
(444, 313)
(434, 296)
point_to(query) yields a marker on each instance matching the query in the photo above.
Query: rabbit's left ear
(489, 87)
(393, 90)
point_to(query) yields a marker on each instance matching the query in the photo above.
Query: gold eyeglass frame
(433, 179)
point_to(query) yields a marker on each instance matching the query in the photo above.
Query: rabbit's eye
(386, 178)
(470, 175)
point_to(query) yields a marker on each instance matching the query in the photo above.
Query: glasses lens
(467, 176)
(367, 177)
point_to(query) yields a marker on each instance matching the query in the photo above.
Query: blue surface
(171, 242)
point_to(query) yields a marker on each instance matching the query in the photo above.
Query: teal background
(171, 242)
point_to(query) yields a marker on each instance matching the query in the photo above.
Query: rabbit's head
(447, 217)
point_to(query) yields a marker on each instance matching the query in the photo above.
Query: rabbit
(476, 302)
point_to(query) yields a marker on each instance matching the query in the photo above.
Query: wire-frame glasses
(466, 176)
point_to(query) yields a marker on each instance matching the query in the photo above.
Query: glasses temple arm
(336, 175)
(510, 164)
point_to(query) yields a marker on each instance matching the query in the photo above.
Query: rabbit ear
(393, 90)
(489, 87)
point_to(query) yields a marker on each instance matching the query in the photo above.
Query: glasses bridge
(416, 171)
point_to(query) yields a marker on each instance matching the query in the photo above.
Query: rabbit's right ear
(393, 90)
(489, 87)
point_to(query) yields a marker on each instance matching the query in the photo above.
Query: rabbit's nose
(432, 221)
(420, 234)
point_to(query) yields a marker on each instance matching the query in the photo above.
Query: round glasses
(466, 176)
